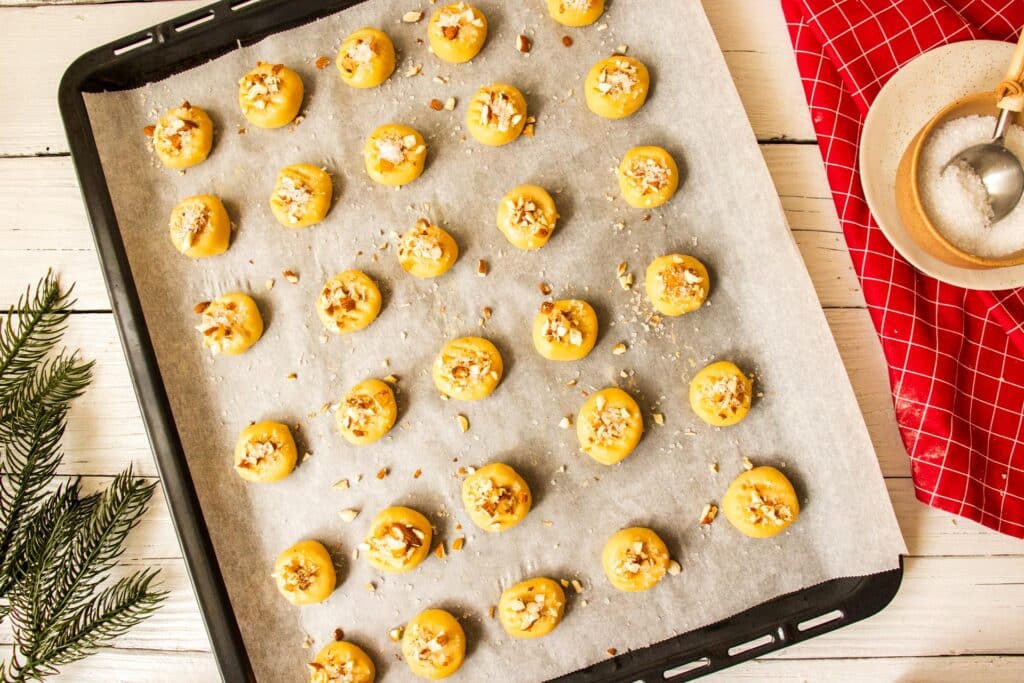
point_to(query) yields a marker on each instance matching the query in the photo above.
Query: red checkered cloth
(956, 356)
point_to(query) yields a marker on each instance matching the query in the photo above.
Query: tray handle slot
(192, 23)
(820, 620)
(242, 4)
(147, 39)
(756, 643)
(687, 668)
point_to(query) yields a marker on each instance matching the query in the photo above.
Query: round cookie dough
(366, 58)
(183, 137)
(609, 426)
(348, 302)
(527, 217)
(265, 452)
(496, 115)
(434, 644)
(367, 412)
(720, 394)
(565, 329)
(427, 251)
(468, 369)
(761, 502)
(532, 608)
(496, 497)
(270, 95)
(305, 573)
(230, 324)
(395, 155)
(398, 540)
(677, 284)
(302, 195)
(648, 177)
(575, 12)
(635, 559)
(617, 87)
(457, 32)
(342, 661)
(200, 226)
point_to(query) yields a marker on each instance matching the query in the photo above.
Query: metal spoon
(998, 168)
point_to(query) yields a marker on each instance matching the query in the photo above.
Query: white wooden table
(960, 613)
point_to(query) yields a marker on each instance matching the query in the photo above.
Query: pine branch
(53, 385)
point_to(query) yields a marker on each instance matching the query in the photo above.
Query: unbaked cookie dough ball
(395, 154)
(305, 573)
(677, 284)
(398, 540)
(575, 12)
(434, 644)
(427, 251)
(527, 217)
(609, 426)
(648, 177)
(635, 559)
(496, 115)
(367, 412)
(468, 369)
(531, 609)
(302, 195)
(342, 662)
(366, 58)
(200, 226)
(183, 137)
(348, 302)
(761, 502)
(565, 329)
(496, 497)
(230, 324)
(265, 452)
(720, 394)
(270, 95)
(617, 87)
(457, 32)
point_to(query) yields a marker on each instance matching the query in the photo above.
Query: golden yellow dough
(302, 195)
(496, 498)
(761, 502)
(348, 302)
(183, 137)
(720, 394)
(366, 58)
(270, 95)
(609, 426)
(677, 284)
(427, 250)
(367, 412)
(265, 452)
(398, 540)
(617, 87)
(434, 644)
(565, 329)
(527, 217)
(305, 573)
(468, 369)
(200, 226)
(575, 12)
(395, 154)
(648, 177)
(532, 608)
(342, 662)
(230, 324)
(496, 115)
(635, 559)
(457, 32)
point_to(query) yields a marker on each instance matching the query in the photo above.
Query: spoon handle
(1012, 95)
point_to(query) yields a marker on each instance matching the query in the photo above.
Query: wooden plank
(41, 41)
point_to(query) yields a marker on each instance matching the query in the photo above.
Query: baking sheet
(762, 313)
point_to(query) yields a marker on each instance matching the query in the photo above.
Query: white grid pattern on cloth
(949, 350)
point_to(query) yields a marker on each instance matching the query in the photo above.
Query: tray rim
(230, 24)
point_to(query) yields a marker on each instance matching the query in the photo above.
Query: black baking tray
(204, 34)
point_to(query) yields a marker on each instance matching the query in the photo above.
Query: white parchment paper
(762, 313)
